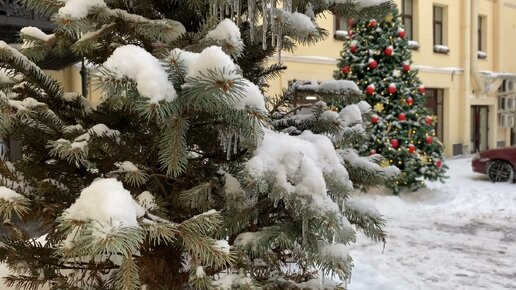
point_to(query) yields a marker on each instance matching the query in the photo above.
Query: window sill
(443, 49)
(340, 35)
(413, 45)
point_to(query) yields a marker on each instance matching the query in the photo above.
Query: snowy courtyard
(457, 235)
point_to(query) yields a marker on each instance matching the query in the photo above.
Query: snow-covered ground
(457, 235)
(452, 236)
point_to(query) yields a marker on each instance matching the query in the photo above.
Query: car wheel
(500, 171)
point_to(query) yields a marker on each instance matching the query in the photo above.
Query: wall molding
(509, 3)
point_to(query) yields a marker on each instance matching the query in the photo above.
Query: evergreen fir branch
(366, 219)
(65, 150)
(127, 277)
(173, 150)
(195, 233)
(45, 8)
(199, 280)
(160, 233)
(198, 198)
(32, 73)
(353, 10)
(212, 92)
(88, 43)
(26, 282)
(18, 206)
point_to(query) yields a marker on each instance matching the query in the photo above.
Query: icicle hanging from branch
(265, 24)
(273, 28)
(250, 15)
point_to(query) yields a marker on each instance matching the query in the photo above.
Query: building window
(482, 37)
(438, 25)
(408, 18)
(435, 104)
(341, 28)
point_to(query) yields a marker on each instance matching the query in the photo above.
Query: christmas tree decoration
(439, 163)
(378, 107)
(395, 143)
(353, 48)
(372, 23)
(429, 139)
(372, 63)
(392, 88)
(372, 152)
(389, 18)
(401, 33)
(411, 148)
(370, 89)
(399, 101)
(181, 176)
(389, 50)
(375, 119)
(345, 70)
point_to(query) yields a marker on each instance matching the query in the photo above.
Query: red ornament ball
(353, 48)
(438, 163)
(402, 33)
(428, 120)
(375, 119)
(410, 101)
(392, 89)
(402, 117)
(406, 67)
(389, 51)
(373, 152)
(351, 22)
(372, 23)
(370, 89)
(395, 143)
(421, 89)
(345, 70)
(373, 63)
(429, 139)
(411, 148)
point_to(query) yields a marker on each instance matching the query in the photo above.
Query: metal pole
(84, 79)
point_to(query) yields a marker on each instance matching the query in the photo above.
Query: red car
(499, 164)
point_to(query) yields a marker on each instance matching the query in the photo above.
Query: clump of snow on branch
(34, 32)
(26, 104)
(79, 8)
(137, 64)
(227, 34)
(106, 202)
(228, 281)
(214, 62)
(9, 195)
(330, 87)
(213, 59)
(361, 3)
(146, 200)
(351, 156)
(301, 24)
(364, 107)
(351, 114)
(298, 165)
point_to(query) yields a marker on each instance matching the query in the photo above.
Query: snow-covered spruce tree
(378, 57)
(176, 180)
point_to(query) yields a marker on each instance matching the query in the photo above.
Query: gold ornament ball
(389, 17)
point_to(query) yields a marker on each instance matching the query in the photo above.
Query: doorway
(479, 128)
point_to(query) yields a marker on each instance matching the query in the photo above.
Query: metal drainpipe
(477, 81)
(465, 133)
(84, 79)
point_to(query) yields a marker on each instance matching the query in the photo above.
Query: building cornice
(331, 61)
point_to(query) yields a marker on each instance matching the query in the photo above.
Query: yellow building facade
(465, 52)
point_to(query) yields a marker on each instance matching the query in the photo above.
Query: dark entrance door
(479, 128)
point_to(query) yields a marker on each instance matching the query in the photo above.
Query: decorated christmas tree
(177, 179)
(377, 57)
